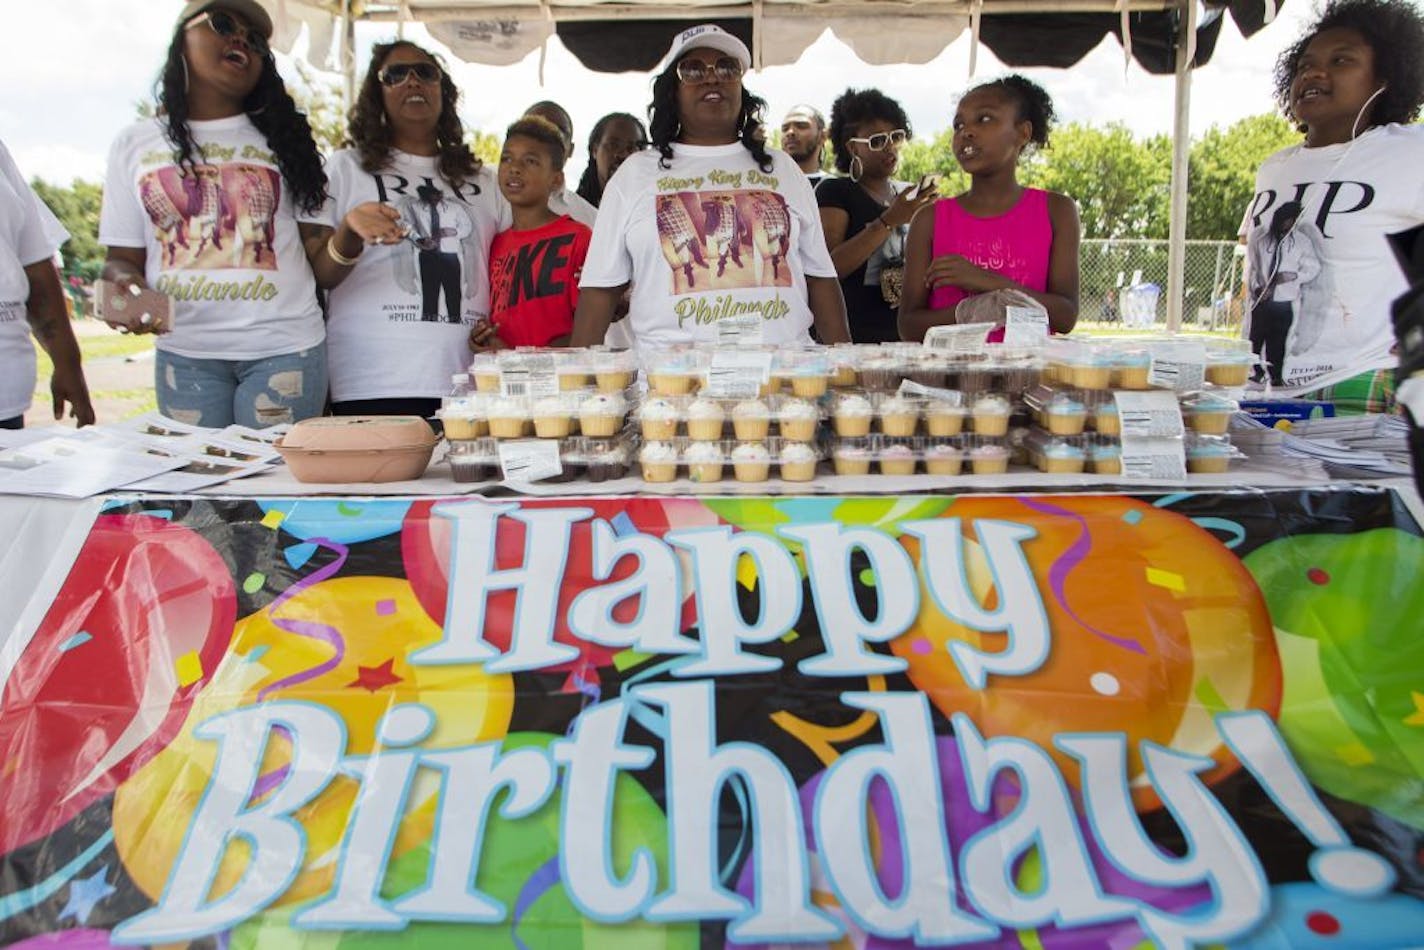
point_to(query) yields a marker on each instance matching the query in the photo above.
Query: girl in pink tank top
(998, 235)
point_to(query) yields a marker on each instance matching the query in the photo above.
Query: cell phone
(928, 181)
(136, 309)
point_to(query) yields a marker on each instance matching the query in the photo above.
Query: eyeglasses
(880, 141)
(695, 72)
(397, 73)
(224, 24)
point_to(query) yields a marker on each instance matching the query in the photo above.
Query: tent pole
(1181, 146)
(348, 57)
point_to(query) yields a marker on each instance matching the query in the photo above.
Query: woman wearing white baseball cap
(709, 226)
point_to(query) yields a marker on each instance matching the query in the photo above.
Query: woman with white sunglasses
(866, 216)
(718, 236)
(408, 232)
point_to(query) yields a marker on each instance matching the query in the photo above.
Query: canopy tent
(1163, 36)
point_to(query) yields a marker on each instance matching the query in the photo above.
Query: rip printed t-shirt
(1353, 195)
(400, 322)
(221, 239)
(28, 235)
(708, 239)
(534, 278)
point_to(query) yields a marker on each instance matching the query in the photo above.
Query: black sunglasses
(397, 73)
(224, 24)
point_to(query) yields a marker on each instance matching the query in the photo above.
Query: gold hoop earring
(184, 61)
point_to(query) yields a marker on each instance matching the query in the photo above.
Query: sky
(76, 68)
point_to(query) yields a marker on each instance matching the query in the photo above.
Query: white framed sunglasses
(725, 69)
(880, 141)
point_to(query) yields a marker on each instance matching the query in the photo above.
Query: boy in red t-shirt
(535, 265)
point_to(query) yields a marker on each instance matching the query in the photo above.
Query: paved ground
(120, 386)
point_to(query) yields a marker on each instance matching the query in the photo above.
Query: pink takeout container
(335, 449)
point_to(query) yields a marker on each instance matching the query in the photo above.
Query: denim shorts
(255, 393)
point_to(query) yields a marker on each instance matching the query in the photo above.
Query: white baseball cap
(711, 36)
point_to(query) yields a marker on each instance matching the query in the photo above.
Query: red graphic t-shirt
(534, 277)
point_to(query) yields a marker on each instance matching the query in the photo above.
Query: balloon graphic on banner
(520, 869)
(345, 520)
(1347, 612)
(1180, 635)
(136, 630)
(77, 939)
(767, 514)
(425, 545)
(1306, 916)
(343, 644)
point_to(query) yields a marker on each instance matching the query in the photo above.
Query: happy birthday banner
(1013, 722)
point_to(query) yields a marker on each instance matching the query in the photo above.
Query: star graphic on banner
(84, 893)
(372, 678)
(1417, 717)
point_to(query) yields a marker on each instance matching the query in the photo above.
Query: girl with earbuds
(1352, 84)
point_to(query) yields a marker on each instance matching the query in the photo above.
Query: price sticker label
(1151, 415)
(529, 460)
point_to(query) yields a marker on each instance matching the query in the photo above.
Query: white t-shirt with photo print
(381, 341)
(711, 237)
(1353, 194)
(221, 239)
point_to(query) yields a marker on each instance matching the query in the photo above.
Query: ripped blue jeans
(254, 393)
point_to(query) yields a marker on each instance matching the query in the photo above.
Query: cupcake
(1106, 420)
(809, 385)
(1064, 415)
(704, 420)
(1208, 457)
(796, 420)
(601, 415)
(553, 418)
(751, 462)
(1207, 413)
(1231, 369)
(572, 378)
(658, 418)
(942, 419)
(703, 461)
(508, 417)
(944, 459)
(1130, 369)
(460, 421)
(484, 373)
(897, 460)
(899, 416)
(750, 420)
(843, 374)
(613, 380)
(880, 373)
(989, 460)
(991, 415)
(658, 461)
(605, 460)
(1105, 458)
(669, 382)
(471, 462)
(851, 458)
(798, 462)
(852, 416)
(1092, 371)
(1060, 457)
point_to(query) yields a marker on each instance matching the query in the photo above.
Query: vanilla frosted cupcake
(460, 420)
(989, 460)
(1062, 457)
(1207, 413)
(843, 373)
(1064, 415)
(942, 419)
(991, 415)
(1208, 457)
(1131, 368)
(670, 382)
(1092, 370)
(572, 377)
(553, 418)
(809, 385)
(658, 461)
(897, 460)
(851, 459)
(852, 416)
(899, 416)
(944, 460)
(704, 461)
(1229, 369)
(658, 418)
(601, 415)
(1106, 420)
(750, 420)
(751, 462)
(704, 420)
(508, 417)
(798, 462)
(796, 420)
(484, 373)
(1105, 458)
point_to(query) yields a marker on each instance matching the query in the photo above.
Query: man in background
(803, 137)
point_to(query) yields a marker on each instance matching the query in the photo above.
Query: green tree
(1121, 183)
(77, 208)
(486, 146)
(921, 157)
(1222, 173)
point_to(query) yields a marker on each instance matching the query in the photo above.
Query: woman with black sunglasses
(409, 226)
(866, 216)
(717, 235)
(209, 204)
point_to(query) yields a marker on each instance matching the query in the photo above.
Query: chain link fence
(1123, 285)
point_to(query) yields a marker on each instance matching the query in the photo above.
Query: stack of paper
(1369, 446)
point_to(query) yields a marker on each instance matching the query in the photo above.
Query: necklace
(884, 202)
